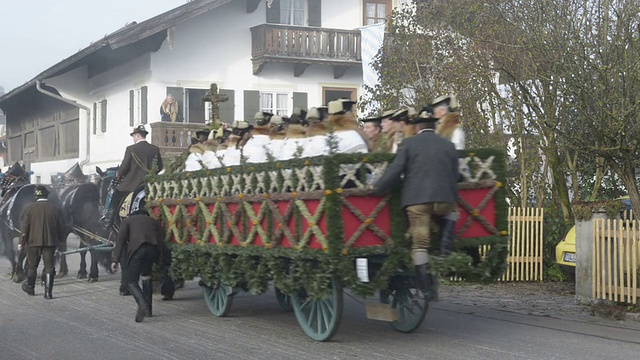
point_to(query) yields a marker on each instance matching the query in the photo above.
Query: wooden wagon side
(303, 223)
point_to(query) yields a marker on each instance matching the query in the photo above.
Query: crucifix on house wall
(214, 98)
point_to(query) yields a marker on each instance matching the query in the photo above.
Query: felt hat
(404, 114)
(449, 100)
(140, 129)
(203, 134)
(373, 119)
(298, 116)
(262, 118)
(387, 114)
(340, 106)
(41, 192)
(239, 127)
(425, 116)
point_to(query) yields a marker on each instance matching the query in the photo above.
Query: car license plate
(570, 257)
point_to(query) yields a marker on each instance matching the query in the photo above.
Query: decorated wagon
(312, 227)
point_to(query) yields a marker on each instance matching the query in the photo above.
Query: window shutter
(251, 105)
(300, 100)
(315, 13)
(132, 105)
(95, 118)
(227, 108)
(273, 12)
(143, 104)
(103, 115)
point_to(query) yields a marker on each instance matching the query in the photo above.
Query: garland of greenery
(202, 226)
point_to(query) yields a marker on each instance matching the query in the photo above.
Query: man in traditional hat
(140, 160)
(342, 122)
(429, 165)
(241, 132)
(43, 228)
(255, 149)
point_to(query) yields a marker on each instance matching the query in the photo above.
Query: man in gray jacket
(429, 165)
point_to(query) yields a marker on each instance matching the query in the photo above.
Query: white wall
(212, 47)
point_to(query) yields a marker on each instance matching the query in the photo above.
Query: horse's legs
(64, 268)
(18, 274)
(93, 272)
(82, 273)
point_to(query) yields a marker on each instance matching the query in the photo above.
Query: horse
(11, 210)
(80, 201)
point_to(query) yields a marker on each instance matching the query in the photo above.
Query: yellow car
(566, 249)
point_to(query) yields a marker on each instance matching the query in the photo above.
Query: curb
(632, 317)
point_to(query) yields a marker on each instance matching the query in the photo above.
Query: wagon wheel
(319, 319)
(218, 298)
(284, 300)
(409, 303)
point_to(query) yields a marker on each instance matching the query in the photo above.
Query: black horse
(15, 199)
(81, 204)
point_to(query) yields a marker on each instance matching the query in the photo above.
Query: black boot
(48, 286)
(446, 236)
(427, 283)
(142, 304)
(29, 285)
(147, 291)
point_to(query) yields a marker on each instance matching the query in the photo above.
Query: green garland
(291, 268)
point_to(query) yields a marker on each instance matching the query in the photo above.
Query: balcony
(173, 137)
(304, 46)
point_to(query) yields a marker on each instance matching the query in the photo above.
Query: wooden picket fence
(526, 228)
(616, 247)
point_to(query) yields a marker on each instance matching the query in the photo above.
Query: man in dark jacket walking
(43, 228)
(429, 165)
(143, 237)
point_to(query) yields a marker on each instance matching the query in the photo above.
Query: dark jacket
(43, 224)
(137, 230)
(429, 164)
(138, 162)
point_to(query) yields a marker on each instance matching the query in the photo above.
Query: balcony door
(294, 12)
(376, 11)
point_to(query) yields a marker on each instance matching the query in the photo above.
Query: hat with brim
(139, 130)
(203, 134)
(262, 118)
(374, 119)
(41, 192)
(387, 114)
(240, 127)
(448, 100)
(425, 116)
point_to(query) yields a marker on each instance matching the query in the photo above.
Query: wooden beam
(257, 67)
(298, 69)
(252, 5)
(338, 71)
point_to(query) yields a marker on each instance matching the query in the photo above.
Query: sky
(37, 34)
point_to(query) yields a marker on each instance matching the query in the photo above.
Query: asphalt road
(91, 321)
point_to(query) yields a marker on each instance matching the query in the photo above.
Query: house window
(194, 108)
(138, 106)
(376, 11)
(331, 94)
(100, 116)
(278, 103)
(294, 12)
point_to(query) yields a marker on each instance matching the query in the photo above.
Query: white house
(272, 55)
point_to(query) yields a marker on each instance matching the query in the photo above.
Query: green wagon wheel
(410, 305)
(218, 298)
(319, 319)
(284, 300)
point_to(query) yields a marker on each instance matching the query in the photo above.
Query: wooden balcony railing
(304, 45)
(173, 137)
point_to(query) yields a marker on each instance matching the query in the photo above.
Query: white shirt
(193, 162)
(350, 142)
(291, 146)
(210, 160)
(256, 148)
(457, 138)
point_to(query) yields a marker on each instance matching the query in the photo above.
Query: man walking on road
(43, 227)
(144, 240)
